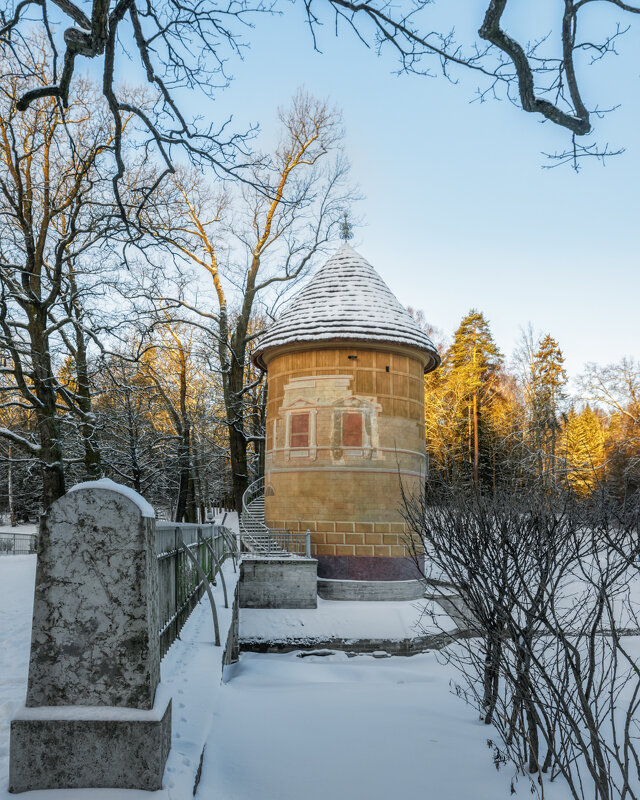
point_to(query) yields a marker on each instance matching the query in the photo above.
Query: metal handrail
(251, 493)
(180, 549)
(270, 541)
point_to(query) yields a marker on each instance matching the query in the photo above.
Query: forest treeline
(127, 319)
(520, 423)
(159, 422)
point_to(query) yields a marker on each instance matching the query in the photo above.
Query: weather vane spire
(345, 228)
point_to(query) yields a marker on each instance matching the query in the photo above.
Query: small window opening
(352, 358)
(387, 369)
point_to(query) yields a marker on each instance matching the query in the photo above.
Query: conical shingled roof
(346, 299)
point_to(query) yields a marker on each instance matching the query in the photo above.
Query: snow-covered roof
(346, 299)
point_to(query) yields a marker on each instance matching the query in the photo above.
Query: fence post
(218, 568)
(101, 661)
(176, 579)
(205, 580)
(307, 544)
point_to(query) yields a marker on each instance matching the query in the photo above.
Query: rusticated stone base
(367, 568)
(329, 589)
(270, 582)
(77, 747)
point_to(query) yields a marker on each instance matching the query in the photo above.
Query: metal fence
(189, 558)
(18, 544)
(284, 543)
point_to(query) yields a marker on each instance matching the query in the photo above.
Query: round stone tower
(345, 367)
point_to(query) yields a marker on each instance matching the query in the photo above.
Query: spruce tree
(548, 379)
(584, 449)
(475, 360)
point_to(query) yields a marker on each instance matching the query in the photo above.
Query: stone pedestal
(92, 717)
(273, 582)
(91, 746)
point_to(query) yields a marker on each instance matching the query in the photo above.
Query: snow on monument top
(146, 509)
(346, 299)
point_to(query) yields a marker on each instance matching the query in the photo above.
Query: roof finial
(345, 228)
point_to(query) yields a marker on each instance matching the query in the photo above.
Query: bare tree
(54, 213)
(171, 369)
(616, 388)
(546, 588)
(278, 222)
(125, 401)
(182, 46)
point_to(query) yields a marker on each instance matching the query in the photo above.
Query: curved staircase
(254, 533)
(258, 538)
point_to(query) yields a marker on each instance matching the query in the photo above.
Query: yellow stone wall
(347, 495)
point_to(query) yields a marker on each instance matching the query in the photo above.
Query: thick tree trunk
(232, 359)
(51, 460)
(184, 466)
(136, 471)
(200, 493)
(476, 443)
(92, 465)
(12, 510)
(53, 486)
(239, 465)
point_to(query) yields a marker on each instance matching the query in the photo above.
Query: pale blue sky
(458, 211)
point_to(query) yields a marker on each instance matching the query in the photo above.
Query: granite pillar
(94, 716)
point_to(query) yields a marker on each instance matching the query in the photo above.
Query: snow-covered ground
(286, 727)
(343, 620)
(337, 728)
(23, 527)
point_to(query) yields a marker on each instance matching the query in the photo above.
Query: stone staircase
(255, 535)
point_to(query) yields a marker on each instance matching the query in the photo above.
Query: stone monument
(95, 715)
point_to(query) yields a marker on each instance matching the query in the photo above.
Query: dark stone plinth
(331, 589)
(52, 750)
(367, 568)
